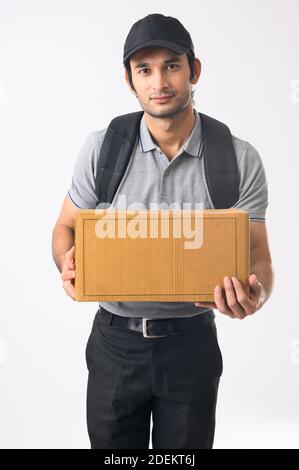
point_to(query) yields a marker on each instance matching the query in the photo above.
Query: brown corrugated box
(173, 255)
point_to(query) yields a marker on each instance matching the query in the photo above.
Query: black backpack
(220, 163)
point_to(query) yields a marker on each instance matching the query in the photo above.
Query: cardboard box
(173, 255)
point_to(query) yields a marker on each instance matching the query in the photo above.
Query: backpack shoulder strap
(220, 163)
(115, 154)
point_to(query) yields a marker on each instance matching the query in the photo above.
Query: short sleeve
(253, 189)
(82, 188)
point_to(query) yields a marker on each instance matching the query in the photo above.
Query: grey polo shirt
(151, 181)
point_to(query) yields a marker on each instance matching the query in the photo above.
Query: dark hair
(191, 61)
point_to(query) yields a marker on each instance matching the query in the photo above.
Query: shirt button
(166, 173)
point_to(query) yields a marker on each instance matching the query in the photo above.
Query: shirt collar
(191, 146)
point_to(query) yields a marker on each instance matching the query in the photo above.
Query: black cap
(158, 30)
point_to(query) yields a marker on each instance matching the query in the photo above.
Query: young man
(173, 371)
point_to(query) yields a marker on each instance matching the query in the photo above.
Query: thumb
(252, 279)
(70, 256)
(254, 283)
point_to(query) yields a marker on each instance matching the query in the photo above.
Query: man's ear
(197, 71)
(127, 78)
(128, 83)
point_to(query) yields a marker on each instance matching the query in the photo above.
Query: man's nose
(159, 81)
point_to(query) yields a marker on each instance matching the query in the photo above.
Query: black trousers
(175, 378)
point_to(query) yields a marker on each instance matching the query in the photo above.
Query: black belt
(155, 328)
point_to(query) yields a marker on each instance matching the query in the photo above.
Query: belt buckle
(144, 330)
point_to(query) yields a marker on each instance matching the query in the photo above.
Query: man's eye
(170, 65)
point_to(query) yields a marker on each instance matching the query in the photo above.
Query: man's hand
(238, 304)
(68, 273)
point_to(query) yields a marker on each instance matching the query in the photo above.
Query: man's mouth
(162, 98)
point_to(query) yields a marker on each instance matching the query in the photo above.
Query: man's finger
(232, 300)
(242, 297)
(220, 302)
(69, 289)
(68, 275)
(70, 257)
(255, 285)
(205, 304)
(70, 253)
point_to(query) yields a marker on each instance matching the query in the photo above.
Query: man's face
(158, 72)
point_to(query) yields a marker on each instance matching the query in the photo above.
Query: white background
(61, 77)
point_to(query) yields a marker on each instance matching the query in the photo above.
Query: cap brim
(178, 48)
